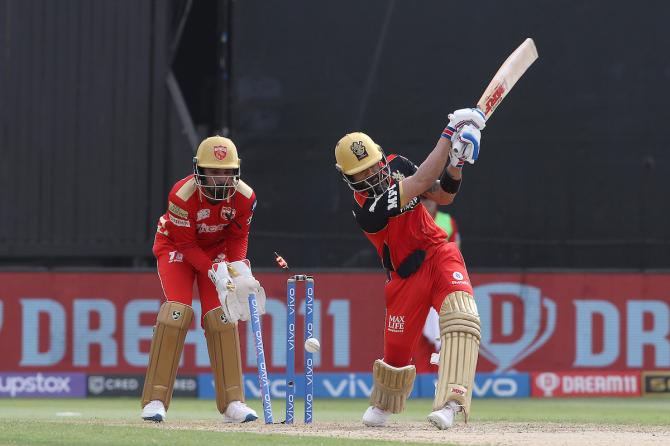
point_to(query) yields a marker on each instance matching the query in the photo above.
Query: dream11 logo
(516, 321)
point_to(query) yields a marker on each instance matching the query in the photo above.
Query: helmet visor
(375, 183)
(216, 184)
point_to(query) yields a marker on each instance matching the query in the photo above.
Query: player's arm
(237, 237)
(444, 190)
(460, 138)
(181, 226)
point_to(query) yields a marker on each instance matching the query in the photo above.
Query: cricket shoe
(444, 418)
(154, 411)
(238, 412)
(375, 417)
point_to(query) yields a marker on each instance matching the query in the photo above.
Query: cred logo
(15, 385)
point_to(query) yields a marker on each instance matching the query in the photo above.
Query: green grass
(116, 421)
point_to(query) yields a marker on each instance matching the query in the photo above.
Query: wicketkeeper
(202, 236)
(423, 269)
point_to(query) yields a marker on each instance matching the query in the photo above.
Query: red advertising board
(585, 384)
(102, 322)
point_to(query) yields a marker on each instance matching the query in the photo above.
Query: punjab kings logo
(359, 150)
(500, 305)
(228, 213)
(220, 152)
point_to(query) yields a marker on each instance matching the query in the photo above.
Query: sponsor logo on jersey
(411, 205)
(176, 210)
(459, 278)
(228, 213)
(392, 199)
(220, 152)
(202, 214)
(396, 324)
(359, 150)
(175, 256)
(398, 176)
(205, 228)
(179, 221)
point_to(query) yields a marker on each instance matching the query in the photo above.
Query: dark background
(103, 103)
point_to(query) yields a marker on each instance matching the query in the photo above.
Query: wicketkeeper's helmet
(217, 152)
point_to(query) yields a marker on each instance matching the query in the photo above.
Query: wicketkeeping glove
(225, 288)
(245, 284)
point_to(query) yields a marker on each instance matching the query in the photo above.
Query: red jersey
(193, 225)
(394, 231)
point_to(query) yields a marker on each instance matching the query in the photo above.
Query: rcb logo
(359, 150)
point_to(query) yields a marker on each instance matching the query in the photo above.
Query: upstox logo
(37, 384)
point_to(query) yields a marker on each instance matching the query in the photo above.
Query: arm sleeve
(237, 240)
(181, 225)
(374, 214)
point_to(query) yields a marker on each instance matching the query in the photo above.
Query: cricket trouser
(177, 277)
(408, 300)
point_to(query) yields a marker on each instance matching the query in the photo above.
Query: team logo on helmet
(359, 150)
(220, 152)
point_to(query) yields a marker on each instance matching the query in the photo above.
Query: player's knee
(458, 313)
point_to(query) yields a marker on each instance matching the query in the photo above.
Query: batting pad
(223, 344)
(167, 344)
(460, 334)
(392, 386)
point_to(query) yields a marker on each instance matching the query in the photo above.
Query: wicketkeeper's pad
(167, 343)
(223, 344)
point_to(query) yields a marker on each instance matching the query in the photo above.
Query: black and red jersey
(395, 231)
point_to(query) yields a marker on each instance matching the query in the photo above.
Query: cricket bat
(507, 75)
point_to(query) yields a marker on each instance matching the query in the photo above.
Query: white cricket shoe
(444, 418)
(375, 417)
(238, 412)
(154, 411)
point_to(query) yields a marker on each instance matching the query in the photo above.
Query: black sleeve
(375, 212)
(401, 166)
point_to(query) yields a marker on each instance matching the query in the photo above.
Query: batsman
(423, 269)
(203, 238)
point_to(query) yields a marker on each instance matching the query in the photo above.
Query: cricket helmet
(216, 152)
(356, 152)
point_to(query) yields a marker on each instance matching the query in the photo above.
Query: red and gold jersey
(396, 231)
(193, 225)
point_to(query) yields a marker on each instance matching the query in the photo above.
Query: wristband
(448, 132)
(448, 184)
